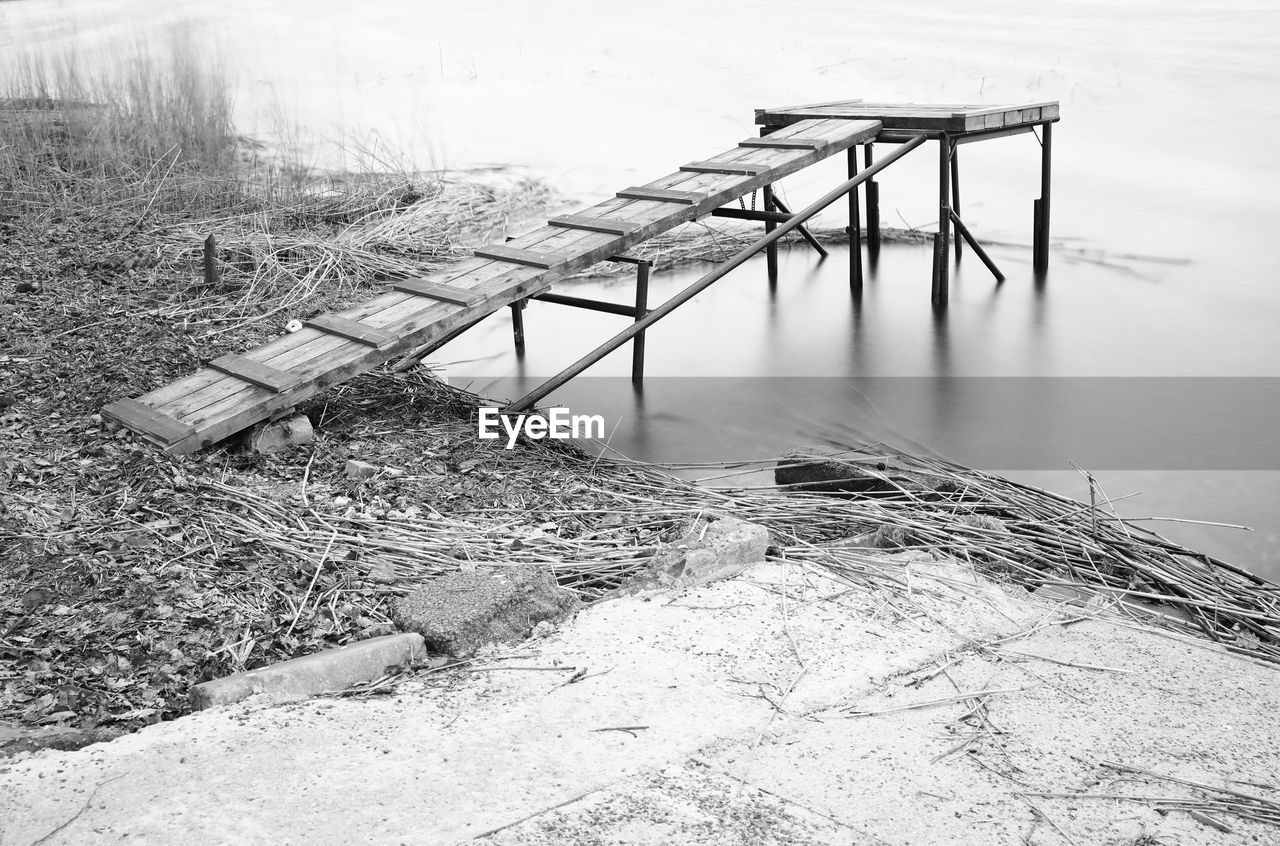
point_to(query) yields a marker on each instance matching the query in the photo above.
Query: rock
(357, 469)
(460, 613)
(332, 669)
(811, 470)
(712, 549)
(280, 434)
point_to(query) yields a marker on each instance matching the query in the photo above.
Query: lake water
(1166, 202)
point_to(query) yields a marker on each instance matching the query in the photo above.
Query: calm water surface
(1166, 200)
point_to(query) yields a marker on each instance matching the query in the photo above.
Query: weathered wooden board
(147, 421)
(352, 330)
(661, 195)
(785, 143)
(592, 223)
(255, 373)
(437, 291)
(514, 255)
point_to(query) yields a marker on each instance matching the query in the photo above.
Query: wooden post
(873, 207)
(855, 229)
(941, 241)
(771, 253)
(517, 325)
(210, 262)
(642, 308)
(1040, 251)
(955, 191)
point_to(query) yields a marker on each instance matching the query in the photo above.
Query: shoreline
(86, 557)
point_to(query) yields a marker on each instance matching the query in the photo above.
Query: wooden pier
(236, 391)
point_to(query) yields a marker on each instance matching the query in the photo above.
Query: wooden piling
(517, 325)
(873, 207)
(941, 240)
(955, 191)
(1040, 251)
(855, 228)
(771, 254)
(211, 276)
(642, 308)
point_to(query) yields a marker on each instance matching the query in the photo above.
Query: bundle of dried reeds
(605, 518)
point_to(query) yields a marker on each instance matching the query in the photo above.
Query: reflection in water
(986, 381)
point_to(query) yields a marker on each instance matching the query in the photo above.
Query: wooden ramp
(237, 391)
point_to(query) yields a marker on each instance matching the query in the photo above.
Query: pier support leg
(855, 229)
(942, 240)
(517, 324)
(873, 208)
(771, 254)
(1040, 250)
(642, 308)
(955, 191)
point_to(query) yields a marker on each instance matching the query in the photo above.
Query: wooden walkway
(237, 391)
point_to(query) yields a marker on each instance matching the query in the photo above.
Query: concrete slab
(678, 700)
(328, 671)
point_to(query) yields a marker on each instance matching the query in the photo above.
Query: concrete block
(333, 669)
(357, 469)
(712, 549)
(280, 434)
(460, 613)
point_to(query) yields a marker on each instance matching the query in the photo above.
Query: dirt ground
(776, 707)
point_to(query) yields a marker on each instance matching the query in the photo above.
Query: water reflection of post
(944, 400)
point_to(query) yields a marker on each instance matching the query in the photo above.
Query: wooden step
(661, 195)
(784, 143)
(352, 330)
(732, 168)
(530, 258)
(141, 417)
(594, 224)
(438, 291)
(255, 373)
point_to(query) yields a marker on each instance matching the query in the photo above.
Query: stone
(460, 613)
(357, 469)
(713, 548)
(280, 434)
(330, 670)
(811, 470)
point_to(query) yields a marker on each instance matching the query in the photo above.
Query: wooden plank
(437, 291)
(513, 255)
(661, 195)
(784, 143)
(248, 370)
(729, 168)
(592, 223)
(143, 418)
(352, 330)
